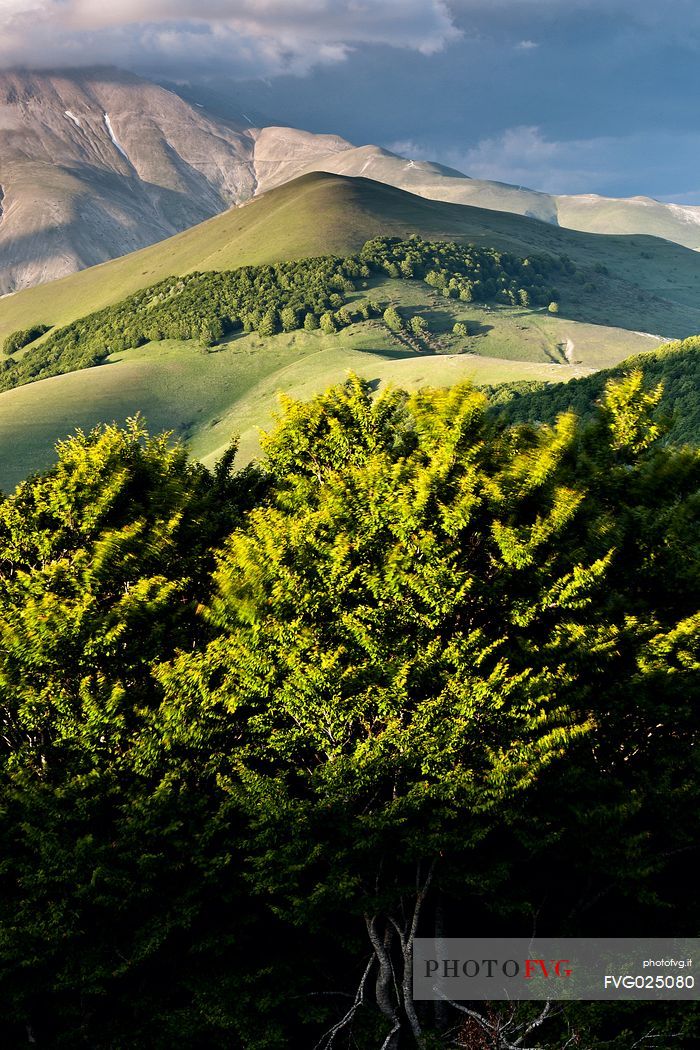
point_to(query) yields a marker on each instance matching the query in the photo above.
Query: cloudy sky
(569, 96)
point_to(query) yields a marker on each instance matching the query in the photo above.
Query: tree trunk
(394, 995)
(385, 987)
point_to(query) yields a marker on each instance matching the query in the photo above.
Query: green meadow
(627, 295)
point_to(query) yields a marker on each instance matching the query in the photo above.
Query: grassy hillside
(426, 179)
(590, 213)
(315, 215)
(233, 389)
(513, 333)
(674, 222)
(676, 366)
(620, 297)
(638, 283)
(206, 398)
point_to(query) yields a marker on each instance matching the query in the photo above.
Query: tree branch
(326, 1041)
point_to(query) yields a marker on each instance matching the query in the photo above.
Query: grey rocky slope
(97, 163)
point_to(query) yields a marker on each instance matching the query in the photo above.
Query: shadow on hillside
(638, 283)
(477, 328)
(109, 203)
(617, 303)
(439, 321)
(388, 355)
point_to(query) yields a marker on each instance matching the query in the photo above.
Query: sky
(568, 96)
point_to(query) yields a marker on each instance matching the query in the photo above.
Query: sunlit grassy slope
(651, 285)
(626, 295)
(206, 398)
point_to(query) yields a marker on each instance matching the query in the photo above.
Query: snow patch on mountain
(115, 140)
(686, 212)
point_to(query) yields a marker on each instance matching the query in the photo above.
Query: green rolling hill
(317, 214)
(653, 285)
(587, 212)
(624, 296)
(207, 398)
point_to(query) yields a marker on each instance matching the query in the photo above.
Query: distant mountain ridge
(98, 163)
(95, 164)
(589, 213)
